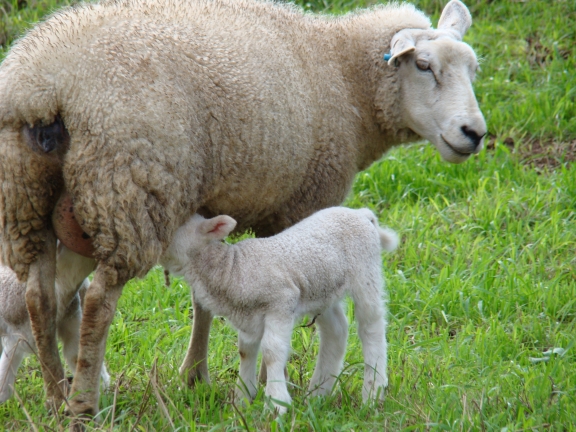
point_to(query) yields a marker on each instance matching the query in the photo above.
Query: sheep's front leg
(195, 365)
(41, 303)
(275, 351)
(99, 307)
(333, 327)
(248, 346)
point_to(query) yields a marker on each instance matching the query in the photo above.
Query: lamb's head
(192, 237)
(436, 70)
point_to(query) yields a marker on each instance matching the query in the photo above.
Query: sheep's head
(436, 70)
(191, 237)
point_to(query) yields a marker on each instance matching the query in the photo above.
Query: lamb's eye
(423, 65)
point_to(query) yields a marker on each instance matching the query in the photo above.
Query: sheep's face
(436, 71)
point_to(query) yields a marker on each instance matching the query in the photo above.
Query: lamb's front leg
(41, 303)
(275, 351)
(99, 307)
(248, 346)
(195, 365)
(333, 327)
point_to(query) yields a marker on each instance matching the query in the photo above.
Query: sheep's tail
(388, 238)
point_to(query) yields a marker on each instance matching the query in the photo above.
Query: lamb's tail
(388, 239)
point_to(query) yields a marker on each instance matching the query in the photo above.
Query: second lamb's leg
(99, 307)
(41, 303)
(333, 327)
(13, 353)
(275, 351)
(248, 346)
(195, 365)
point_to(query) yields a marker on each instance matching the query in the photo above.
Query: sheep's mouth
(451, 147)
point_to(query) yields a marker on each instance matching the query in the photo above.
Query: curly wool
(266, 118)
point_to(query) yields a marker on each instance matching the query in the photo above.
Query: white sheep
(263, 285)
(16, 336)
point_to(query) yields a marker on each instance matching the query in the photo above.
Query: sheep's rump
(230, 106)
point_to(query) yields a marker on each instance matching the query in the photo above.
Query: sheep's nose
(473, 135)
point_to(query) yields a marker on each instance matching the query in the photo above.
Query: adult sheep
(146, 112)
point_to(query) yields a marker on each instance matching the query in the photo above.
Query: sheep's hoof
(53, 404)
(194, 377)
(82, 411)
(77, 425)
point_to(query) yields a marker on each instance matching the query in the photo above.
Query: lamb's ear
(218, 227)
(455, 19)
(402, 43)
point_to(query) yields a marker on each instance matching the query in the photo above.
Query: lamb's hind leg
(41, 303)
(99, 307)
(333, 327)
(370, 314)
(195, 365)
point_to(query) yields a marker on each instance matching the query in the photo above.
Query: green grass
(481, 287)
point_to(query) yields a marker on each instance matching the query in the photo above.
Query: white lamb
(16, 336)
(263, 285)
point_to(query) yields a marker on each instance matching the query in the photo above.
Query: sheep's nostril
(474, 136)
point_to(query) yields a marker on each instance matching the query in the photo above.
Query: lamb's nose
(473, 135)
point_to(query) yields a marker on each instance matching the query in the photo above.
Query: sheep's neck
(373, 86)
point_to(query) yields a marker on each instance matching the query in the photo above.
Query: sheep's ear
(218, 227)
(402, 43)
(455, 19)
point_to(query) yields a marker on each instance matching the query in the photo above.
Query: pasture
(482, 290)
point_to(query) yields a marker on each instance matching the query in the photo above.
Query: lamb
(16, 336)
(263, 285)
(146, 112)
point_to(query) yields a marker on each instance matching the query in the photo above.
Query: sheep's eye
(423, 65)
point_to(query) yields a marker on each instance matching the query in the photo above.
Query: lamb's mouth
(451, 147)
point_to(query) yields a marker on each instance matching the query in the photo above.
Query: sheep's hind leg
(69, 333)
(248, 346)
(275, 350)
(333, 327)
(99, 307)
(41, 303)
(195, 365)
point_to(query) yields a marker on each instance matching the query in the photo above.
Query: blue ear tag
(387, 56)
